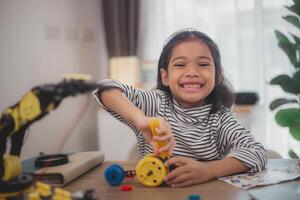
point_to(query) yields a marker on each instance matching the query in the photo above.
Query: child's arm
(190, 172)
(238, 148)
(147, 101)
(237, 142)
(116, 101)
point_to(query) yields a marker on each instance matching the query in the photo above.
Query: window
(244, 31)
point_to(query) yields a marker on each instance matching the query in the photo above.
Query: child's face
(191, 73)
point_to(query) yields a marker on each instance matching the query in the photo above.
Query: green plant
(289, 117)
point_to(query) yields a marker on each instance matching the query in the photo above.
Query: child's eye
(179, 65)
(203, 64)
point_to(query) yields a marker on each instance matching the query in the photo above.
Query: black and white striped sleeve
(146, 100)
(237, 142)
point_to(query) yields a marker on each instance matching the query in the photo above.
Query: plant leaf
(292, 154)
(295, 8)
(296, 38)
(281, 101)
(295, 129)
(287, 46)
(296, 78)
(281, 37)
(297, 46)
(286, 83)
(293, 20)
(290, 50)
(288, 117)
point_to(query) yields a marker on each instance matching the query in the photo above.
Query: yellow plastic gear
(150, 171)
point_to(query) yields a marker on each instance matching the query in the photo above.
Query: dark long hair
(222, 94)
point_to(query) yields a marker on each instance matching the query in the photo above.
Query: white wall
(255, 122)
(41, 40)
(116, 140)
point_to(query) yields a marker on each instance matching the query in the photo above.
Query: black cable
(51, 160)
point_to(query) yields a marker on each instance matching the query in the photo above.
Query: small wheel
(114, 175)
(150, 171)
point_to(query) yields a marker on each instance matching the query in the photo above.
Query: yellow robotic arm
(33, 106)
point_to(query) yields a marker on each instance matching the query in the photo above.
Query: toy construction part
(126, 188)
(115, 174)
(51, 160)
(150, 171)
(15, 187)
(194, 197)
(12, 166)
(40, 191)
(154, 123)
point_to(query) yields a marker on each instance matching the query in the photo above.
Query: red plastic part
(126, 187)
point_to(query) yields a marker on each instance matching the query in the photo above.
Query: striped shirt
(199, 134)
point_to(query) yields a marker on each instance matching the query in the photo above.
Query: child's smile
(191, 73)
(191, 86)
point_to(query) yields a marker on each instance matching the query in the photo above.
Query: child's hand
(188, 172)
(164, 134)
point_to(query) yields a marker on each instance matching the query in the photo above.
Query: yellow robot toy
(150, 171)
(14, 121)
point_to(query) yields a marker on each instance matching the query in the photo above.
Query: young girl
(192, 102)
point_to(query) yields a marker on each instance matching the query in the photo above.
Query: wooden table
(215, 189)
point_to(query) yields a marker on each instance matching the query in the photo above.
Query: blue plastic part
(194, 197)
(114, 175)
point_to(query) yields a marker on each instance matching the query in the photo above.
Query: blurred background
(40, 40)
